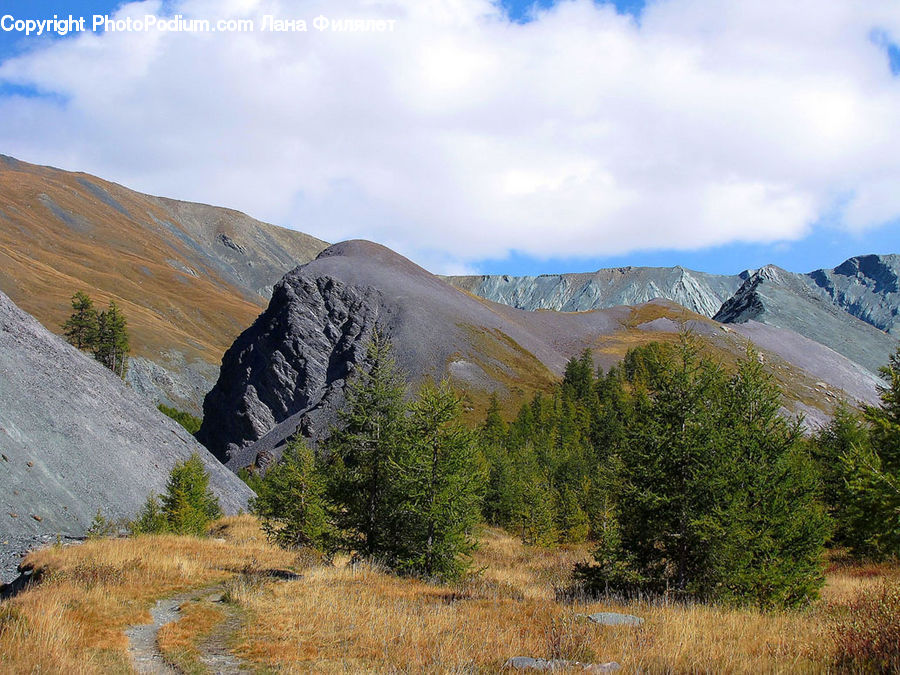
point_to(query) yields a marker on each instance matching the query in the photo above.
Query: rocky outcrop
(778, 298)
(74, 440)
(868, 287)
(295, 358)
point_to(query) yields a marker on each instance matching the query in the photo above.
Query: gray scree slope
(75, 439)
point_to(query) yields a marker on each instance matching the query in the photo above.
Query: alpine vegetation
(104, 333)
(397, 482)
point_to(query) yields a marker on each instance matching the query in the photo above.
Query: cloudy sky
(494, 137)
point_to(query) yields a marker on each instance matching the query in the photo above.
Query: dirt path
(143, 646)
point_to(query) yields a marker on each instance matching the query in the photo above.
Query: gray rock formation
(557, 665)
(778, 298)
(699, 292)
(615, 619)
(74, 439)
(868, 287)
(288, 371)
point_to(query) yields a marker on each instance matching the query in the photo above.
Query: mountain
(697, 291)
(778, 298)
(74, 440)
(189, 277)
(852, 308)
(868, 287)
(289, 369)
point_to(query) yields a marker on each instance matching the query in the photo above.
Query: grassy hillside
(238, 601)
(189, 277)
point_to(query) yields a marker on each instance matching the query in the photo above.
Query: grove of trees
(103, 333)
(682, 473)
(397, 481)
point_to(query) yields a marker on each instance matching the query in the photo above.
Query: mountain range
(852, 308)
(261, 327)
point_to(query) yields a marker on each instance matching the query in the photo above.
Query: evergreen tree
(834, 448)
(188, 504)
(187, 507)
(718, 498)
(772, 523)
(363, 451)
(440, 485)
(111, 344)
(291, 500)
(80, 328)
(872, 474)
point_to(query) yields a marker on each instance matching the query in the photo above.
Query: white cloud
(461, 135)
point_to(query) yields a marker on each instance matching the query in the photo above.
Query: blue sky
(601, 170)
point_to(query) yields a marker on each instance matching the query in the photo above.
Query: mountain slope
(778, 298)
(189, 277)
(868, 287)
(288, 370)
(699, 292)
(74, 439)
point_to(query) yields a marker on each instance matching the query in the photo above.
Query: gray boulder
(615, 619)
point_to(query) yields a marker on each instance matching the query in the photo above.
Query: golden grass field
(341, 618)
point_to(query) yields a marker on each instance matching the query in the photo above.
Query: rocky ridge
(849, 308)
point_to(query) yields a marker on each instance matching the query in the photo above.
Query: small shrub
(102, 527)
(187, 507)
(868, 638)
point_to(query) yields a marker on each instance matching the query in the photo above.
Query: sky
(486, 137)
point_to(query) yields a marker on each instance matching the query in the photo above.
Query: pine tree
(872, 474)
(111, 344)
(187, 507)
(718, 496)
(768, 512)
(363, 451)
(80, 328)
(440, 483)
(834, 446)
(188, 504)
(291, 502)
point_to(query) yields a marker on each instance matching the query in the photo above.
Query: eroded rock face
(290, 365)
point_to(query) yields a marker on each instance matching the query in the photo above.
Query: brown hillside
(189, 277)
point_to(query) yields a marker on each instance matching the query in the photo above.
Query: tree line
(682, 473)
(104, 334)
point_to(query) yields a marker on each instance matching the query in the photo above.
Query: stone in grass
(614, 619)
(549, 665)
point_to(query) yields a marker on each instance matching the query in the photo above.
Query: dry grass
(74, 621)
(362, 619)
(178, 641)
